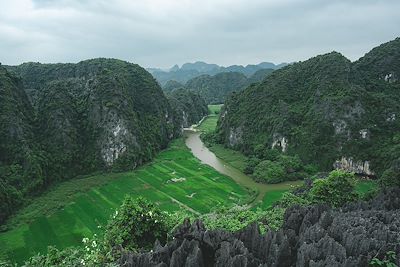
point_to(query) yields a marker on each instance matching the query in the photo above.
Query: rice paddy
(170, 181)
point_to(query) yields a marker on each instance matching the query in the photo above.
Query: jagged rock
(311, 236)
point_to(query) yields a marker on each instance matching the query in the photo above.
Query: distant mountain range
(192, 70)
(215, 88)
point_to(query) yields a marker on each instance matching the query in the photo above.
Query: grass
(215, 109)
(235, 158)
(64, 225)
(210, 123)
(271, 197)
(365, 186)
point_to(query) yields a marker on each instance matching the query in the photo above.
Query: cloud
(162, 33)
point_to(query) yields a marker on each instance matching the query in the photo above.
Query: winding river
(200, 151)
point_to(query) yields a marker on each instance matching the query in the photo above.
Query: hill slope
(327, 110)
(189, 108)
(215, 88)
(95, 115)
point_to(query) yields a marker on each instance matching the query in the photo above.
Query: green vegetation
(189, 108)
(59, 121)
(237, 218)
(174, 181)
(207, 127)
(388, 261)
(391, 176)
(214, 109)
(137, 224)
(337, 189)
(321, 110)
(215, 88)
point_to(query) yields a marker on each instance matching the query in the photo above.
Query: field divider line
(172, 198)
(100, 195)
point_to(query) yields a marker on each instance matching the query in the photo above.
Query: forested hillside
(100, 114)
(327, 110)
(215, 88)
(189, 108)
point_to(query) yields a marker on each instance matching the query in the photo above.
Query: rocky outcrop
(311, 236)
(350, 165)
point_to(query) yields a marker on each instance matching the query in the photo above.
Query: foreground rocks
(311, 236)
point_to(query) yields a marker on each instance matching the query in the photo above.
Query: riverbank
(232, 159)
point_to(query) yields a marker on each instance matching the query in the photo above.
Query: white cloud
(162, 33)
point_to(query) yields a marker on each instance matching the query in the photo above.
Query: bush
(237, 218)
(289, 199)
(335, 190)
(251, 163)
(391, 176)
(270, 172)
(61, 258)
(388, 261)
(136, 224)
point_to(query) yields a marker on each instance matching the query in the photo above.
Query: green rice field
(198, 189)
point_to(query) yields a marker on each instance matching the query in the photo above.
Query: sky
(161, 33)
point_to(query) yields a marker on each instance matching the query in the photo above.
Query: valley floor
(198, 189)
(175, 180)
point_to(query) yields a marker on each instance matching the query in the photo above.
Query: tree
(138, 223)
(337, 189)
(391, 176)
(270, 172)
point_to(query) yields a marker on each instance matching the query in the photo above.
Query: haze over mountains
(191, 70)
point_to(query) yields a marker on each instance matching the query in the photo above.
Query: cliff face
(327, 110)
(106, 111)
(311, 236)
(62, 120)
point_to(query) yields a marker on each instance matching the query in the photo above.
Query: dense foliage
(215, 88)
(172, 85)
(337, 189)
(188, 107)
(324, 110)
(138, 223)
(62, 120)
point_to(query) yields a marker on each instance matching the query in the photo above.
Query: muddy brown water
(200, 151)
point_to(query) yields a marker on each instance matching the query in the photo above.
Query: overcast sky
(161, 33)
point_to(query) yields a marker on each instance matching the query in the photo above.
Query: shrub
(237, 218)
(391, 176)
(289, 199)
(388, 261)
(136, 224)
(251, 163)
(270, 172)
(335, 190)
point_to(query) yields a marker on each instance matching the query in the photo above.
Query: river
(200, 151)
